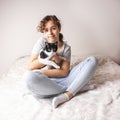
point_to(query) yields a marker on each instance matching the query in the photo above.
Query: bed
(100, 103)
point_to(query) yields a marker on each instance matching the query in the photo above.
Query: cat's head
(51, 46)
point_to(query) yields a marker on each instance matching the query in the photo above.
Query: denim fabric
(42, 86)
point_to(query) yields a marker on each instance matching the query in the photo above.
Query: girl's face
(51, 32)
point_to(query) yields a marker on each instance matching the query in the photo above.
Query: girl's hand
(56, 59)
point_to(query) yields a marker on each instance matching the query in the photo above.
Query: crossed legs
(43, 87)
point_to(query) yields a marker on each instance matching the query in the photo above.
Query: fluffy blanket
(101, 103)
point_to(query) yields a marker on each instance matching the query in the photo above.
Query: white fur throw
(102, 103)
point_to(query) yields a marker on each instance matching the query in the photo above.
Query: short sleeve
(67, 52)
(38, 46)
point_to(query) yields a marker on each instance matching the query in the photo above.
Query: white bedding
(102, 103)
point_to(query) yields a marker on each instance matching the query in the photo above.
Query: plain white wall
(89, 26)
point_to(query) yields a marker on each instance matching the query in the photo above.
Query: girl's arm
(34, 63)
(62, 72)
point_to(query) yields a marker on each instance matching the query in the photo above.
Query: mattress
(100, 103)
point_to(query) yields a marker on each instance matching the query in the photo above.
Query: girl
(63, 83)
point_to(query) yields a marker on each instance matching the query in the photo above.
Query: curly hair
(41, 26)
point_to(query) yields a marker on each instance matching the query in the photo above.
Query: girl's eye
(46, 30)
(54, 28)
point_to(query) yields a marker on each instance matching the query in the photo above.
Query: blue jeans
(41, 86)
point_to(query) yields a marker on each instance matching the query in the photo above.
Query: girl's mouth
(52, 36)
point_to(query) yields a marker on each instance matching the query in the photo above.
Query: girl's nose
(50, 31)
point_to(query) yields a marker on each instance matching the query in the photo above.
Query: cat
(47, 53)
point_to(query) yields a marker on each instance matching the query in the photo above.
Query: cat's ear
(46, 43)
(56, 43)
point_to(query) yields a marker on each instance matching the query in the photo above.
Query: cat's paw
(57, 67)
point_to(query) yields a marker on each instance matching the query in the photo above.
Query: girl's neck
(60, 43)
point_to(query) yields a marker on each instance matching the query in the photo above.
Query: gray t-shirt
(64, 53)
